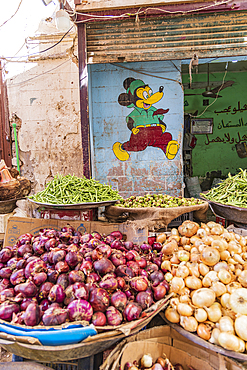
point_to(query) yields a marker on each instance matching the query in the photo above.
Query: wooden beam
(96, 5)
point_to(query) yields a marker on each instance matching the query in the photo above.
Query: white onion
(224, 300)
(238, 301)
(242, 278)
(233, 286)
(221, 265)
(224, 276)
(146, 361)
(184, 309)
(214, 312)
(241, 326)
(230, 341)
(177, 284)
(172, 315)
(214, 336)
(219, 288)
(226, 324)
(192, 282)
(203, 297)
(203, 269)
(189, 323)
(201, 315)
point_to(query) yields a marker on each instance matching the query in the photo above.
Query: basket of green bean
(71, 192)
(229, 198)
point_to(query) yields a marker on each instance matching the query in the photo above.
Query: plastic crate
(87, 363)
(179, 220)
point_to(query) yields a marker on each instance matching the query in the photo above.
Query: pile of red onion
(61, 276)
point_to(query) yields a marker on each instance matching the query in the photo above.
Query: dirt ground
(5, 356)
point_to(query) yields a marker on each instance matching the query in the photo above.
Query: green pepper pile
(157, 200)
(231, 191)
(70, 189)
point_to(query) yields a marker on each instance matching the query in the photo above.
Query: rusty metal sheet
(209, 35)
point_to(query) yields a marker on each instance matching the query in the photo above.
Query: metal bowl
(231, 213)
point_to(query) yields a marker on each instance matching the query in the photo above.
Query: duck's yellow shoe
(172, 149)
(120, 153)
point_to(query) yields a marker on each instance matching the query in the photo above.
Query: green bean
(70, 189)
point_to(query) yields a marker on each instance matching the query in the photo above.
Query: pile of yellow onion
(207, 271)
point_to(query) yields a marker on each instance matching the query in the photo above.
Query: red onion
(72, 259)
(144, 299)
(44, 305)
(142, 262)
(69, 295)
(159, 292)
(72, 248)
(144, 273)
(99, 319)
(32, 315)
(24, 248)
(125, 272)
(80, 310)
(52, 275)
(57, 256)
(109, 284)
(21, 264)
(134, 267)
(96, 255)
(105, 250)
(165, 284)
(68, 229)
(63, 280)
(118, 259)
(5, 255)
(113, 316)
(119, 300)
(45, 289)
(99, 299)
(17, 277)
(4, 284)
(12, 263)
(151, 240)
(139, 284)
(94, 242)
(26, 302)
(39, 278)
(18, 318)
(157, 367)
(35, 266)
(151, 267)
(117, 234)
(65, 237)
(146, 248)
(76, 276)
(51, 243)
(56, 294)
(117, 244)
(157, 246)
(86, 238)
(62, 267)
(7, 309)
(130, 255)
(86, 267)
(6, 272)
(103, 266)
(128, 245)
(27, 289)
(157, 276)
(39, 247)
(121, 283)
(157, 260)
(54, 316)
(6, 293)
(132, 311)
(24, 238)
(80, 291)
(109, 239)
(92, 278)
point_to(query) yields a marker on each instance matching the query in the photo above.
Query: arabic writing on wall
(234, 111)
(227, 139)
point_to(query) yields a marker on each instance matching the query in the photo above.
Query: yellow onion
(192, 282)
(184, 241)
(234, 247)
(207, 240)
(214, 336)
(188, 323)
(161, 238)
(201, 232)
(201, 315)
(206, 282)
(238, 258)
(196, 240)
(168, 277)
(205, 227)
(174, 259)
(193, 269)
(224, 300)
(211, 224)
(185, 298)
(220, 244)
(174, 302)
(183, 255)
(225, 255)
(226, 324)
(170, 247)
(219, 288)
(224, 276)
(214, 312)
(203, 331)
(182, 271)
(238, 301)
(222, 265)
(217, 230)
(174, 231)
(210, 256)
(242, 241)
(203, 297)
(188, 228)
(184, 309)
(231, 342)
(176, 284)
(241, 326)
(242, 278)
(212, 275)
(146, 361)
(174, 237)
(172, 315)
(203, 269)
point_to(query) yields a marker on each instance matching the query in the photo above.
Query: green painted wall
(218, 151)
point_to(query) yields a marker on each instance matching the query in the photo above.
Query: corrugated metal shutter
(209, 35)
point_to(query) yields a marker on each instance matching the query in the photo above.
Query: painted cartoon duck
(145, 122)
